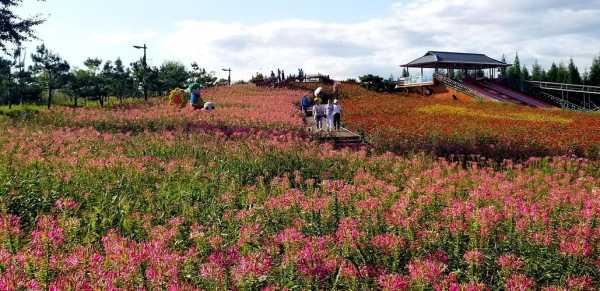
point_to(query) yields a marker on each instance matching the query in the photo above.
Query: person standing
(318, 114)
(305, 104)
(337, 115)
(329, 108)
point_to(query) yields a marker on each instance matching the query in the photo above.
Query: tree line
(517, 77)
(557, 73)
(97, 80)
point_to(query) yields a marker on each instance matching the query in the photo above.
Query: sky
(342, 38)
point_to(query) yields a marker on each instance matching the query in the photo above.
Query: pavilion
(456, 61)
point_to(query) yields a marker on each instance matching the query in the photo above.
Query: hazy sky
(343, 38)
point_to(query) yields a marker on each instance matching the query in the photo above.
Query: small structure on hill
(451, 61)
(472, 74)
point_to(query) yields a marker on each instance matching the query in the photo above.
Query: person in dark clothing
(305, 104)
(337, 115)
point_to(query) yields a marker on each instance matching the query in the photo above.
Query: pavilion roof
(452, 60)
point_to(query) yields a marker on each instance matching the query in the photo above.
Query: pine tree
(563, 73)
(552, 75)
(594, 74)
(514, 72)
(51, 69)
(536, 72)
(15, 29)
(503, 70)
(525, 74)
(574, 77)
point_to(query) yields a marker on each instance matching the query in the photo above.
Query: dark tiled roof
(446, 59)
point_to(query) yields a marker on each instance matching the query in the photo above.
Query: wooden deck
(341, 138)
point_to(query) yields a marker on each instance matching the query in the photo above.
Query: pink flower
(348, 231)
(519, 282)
(510, 262)
(65, 204)
(314, 260)
(580, 283)
(289, 236)
(388, 242)
(426, 271)
(474, 257)
(473, 286)
(393, 282)
(252, 267)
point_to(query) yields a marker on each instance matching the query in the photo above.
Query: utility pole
(228, 78)
(144, 66)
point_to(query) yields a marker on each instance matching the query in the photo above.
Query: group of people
(329, 113)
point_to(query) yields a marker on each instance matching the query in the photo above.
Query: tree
(552, 75)
(594, 74)
(514, 72)
(537, 73)
(50, 68)
(201, 76)
(173, 75)
(405, 73)
(377, 83)
(563, 74)
(96, 78)
(503, 70)
(80, 84)
(525, 74)
(120, 80)
(5, 81)
(153, 80)
(573, 74)
(259, 78)
(13, 28)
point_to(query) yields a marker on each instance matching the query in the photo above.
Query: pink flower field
(149, 197)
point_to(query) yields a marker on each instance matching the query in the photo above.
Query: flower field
(153, 197)
(494, 130)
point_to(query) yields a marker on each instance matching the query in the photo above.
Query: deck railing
(458, 86)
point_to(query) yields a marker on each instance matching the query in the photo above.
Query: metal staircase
(458, 86)
(564, 104)
(565, 89)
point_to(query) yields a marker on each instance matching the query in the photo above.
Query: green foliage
(537, 73)
(574, 77)
(50, 69)
(173, 75)
(594, 74)
(201, 76)
(514, 72)
(377, 83)
(15, 29)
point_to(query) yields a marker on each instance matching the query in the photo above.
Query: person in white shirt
(318, 114)
(337, 115)
(329, 113)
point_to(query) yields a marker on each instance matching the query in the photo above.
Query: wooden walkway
(341, 138)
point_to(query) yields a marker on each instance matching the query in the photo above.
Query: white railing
(565, 87)
(415, 80)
